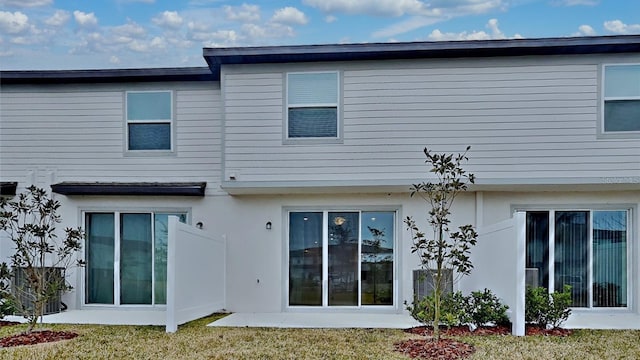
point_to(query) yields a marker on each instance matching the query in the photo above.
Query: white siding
(525, 118)
(55, 133)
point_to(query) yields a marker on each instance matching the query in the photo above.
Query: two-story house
(303, 157)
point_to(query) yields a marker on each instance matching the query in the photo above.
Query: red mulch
(445, 349)
(450, 349)
(36, 337)
(488, 330)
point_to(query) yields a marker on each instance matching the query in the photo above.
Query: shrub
(453, 309)
(479, 308)
(547, 310)
(484, 307)
(6, 306)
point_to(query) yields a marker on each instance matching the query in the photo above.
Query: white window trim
(325, 214)
(631, 248)
(337, 104)
(603, 98)
(170, 121)
(116, 258)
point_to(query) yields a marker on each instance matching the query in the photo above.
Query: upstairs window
(622, 98)
(312, 105)
(149, 120)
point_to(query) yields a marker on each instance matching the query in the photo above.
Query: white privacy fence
(196, 263)
(499, 265)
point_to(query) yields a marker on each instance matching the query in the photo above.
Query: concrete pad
(620, 321)
(103, 317)
(317, 320)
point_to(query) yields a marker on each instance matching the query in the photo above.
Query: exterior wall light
(199, 225)
(268, 225)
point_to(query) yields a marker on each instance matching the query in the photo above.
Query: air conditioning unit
(423, 282)
(21, 290)
(531, 277)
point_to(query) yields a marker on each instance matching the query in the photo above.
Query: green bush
(484, 307)
(6, 306)
(547, 310)
(452, 309)
(479, 308)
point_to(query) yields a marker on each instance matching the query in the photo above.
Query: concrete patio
(317, 320)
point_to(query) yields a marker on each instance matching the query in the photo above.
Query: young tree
(444, 251)
(40, 259)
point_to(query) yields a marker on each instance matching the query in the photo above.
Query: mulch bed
(36, 337)
(445, 349)
(451, 349)
(488, 330)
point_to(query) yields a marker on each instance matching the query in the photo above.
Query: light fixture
(339, 220)
(199, 225)
(268, 225)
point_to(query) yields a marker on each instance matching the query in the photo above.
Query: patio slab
(317, 320)
(102, 317)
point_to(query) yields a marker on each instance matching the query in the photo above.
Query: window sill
(149, 153)
(312, 141)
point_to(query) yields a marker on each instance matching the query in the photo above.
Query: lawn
(195, 341)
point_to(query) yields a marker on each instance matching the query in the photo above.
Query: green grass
(196, 341)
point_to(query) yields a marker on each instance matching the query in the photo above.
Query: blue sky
(94, 34)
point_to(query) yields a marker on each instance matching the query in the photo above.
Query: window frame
(630, 249)
(337, 104)
(325, 211)
(117, 246)
(604, 98)
(170, 121)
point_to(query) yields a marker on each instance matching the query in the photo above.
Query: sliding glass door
(586, 249)
(341, 258)
(126, 258)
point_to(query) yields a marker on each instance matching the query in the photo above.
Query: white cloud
(330, 19)
(85, 19)
(575, 2)
(435, 11)
(492, 25)
(169, 19)
(14, 23)
(290, 16)
(130, 30)
(243, 13)
(377, 8)
(114, 60)
(25, 3)
(59, 18)
(618, 27)
(412, 23)
(585, 30)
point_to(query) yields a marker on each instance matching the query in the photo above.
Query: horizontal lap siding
(523, 119)
(76, 133)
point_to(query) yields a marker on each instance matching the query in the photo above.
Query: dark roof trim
(107, 75)
(144, 189)
(215, 57)
(8, 188)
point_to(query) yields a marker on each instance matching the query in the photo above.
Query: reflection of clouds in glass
(383, 221)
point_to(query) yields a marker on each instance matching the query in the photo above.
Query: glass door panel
(135, 259)
(305, 258)
(572, 254)
(343, 262)
(609, 258)
(100, 258)
(537, 252)
(377, 258)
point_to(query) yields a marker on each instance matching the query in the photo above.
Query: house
(302, 156)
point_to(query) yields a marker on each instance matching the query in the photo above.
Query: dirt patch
(36, 337)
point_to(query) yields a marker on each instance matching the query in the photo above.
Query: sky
(106, 34)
